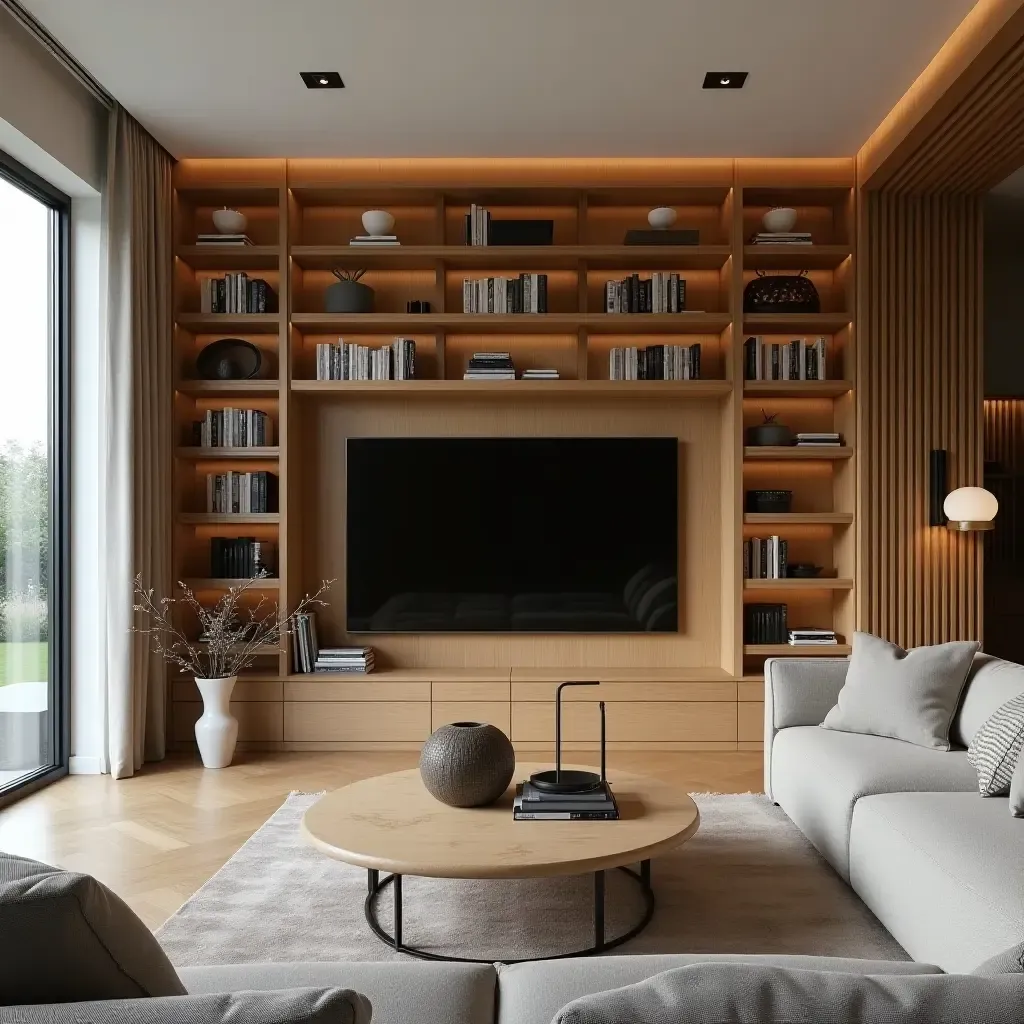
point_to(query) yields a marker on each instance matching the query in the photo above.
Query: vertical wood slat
(921, 388)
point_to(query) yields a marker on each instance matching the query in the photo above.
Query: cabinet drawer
(258, 721)
(469, 691)
(354, 690)
(493, 712)
(751, 722)
(675, 690)
(657, 721)
(308, 721)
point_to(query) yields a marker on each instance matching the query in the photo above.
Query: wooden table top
(391, 823)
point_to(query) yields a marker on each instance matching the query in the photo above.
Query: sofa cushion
(401, 992)
(818, 776)
(310, 1006)
(51, 917)
(533, 993)
(1010, 961)
(905, 695)
(996, 747)
(942, 872)
(774, 995)
(990, 684)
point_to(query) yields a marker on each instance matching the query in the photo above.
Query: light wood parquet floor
(155, 838)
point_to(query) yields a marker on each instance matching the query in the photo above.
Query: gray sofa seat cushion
(298, 1006)
(533, 993)
(51, 917)
(943, 872)
(990, 684)
(818, 775)
(401, 992)
(722, 993)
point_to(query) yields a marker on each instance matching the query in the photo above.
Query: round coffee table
(392, 824)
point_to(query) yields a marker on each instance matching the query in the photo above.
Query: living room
(511, 526)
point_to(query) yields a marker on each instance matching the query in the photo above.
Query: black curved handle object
(558, 721)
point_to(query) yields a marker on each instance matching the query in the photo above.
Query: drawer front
(469, 691)
(656, 721)
(683, 690)
(354, 690)
(244, 691)
(751, 691)
(496, 713)
(308, 721)
(751, 722)
(258, 721)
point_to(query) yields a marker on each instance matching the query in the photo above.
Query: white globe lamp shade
(970, 508)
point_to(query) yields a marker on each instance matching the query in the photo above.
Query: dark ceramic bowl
(229, 359)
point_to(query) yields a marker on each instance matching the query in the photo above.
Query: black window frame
(59, 590)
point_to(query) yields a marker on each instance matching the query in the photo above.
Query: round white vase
(661, 218)
(780, 218)
(230, 222)
(217, 728)
(378, 222)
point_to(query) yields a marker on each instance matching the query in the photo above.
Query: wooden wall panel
(920, 374)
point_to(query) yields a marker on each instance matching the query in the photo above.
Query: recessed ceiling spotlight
(725, 79)
(322, 79)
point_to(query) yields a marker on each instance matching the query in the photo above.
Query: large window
(33, 484)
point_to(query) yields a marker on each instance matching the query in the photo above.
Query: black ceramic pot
(467, 764)
(769, 435)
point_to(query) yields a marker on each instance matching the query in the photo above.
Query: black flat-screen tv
(525, 535)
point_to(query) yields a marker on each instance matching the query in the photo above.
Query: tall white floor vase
(217, 729)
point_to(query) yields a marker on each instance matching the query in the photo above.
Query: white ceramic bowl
(378, 222)
(230, 222)
(782, 218)
(662, 217)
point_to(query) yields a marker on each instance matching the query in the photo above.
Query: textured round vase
(217, 728)
(230, 222)
(467, 764)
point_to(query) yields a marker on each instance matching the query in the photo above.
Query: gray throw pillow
(903, 695)
(995, 749)
(64, 937)
(748, 994)
(1017, 789)
(288, 1006)
(1010, 961)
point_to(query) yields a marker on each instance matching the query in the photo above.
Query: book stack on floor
(656, 362)
(818, 439)
(236, 293)
(241, 493)
(490, 366)
(812, 638)
(798, 359)
(374, 240)
(305, 649)
(533, 804)
(527, 293)
(781, 238)
(765, 558)
(240, 558)
(232, 428)
(660, 293)
(349, 361)
(765, 624)
(540, 374)
(223, 240)
(348, 660)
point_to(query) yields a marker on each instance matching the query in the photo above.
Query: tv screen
(533, 535)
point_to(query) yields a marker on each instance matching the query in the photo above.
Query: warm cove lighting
(970, 508)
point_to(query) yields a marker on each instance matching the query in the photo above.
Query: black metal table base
(375, 886)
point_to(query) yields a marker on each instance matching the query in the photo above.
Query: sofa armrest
(798, 691)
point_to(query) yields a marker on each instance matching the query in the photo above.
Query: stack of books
(764, 624)
(527, 293)
(781, 238)
(349, 660)
(223, 240)
(798, 359)
(349, 361)
(656, 362)
(478, 225)
(305, 649)
(240, 558)
(765, 558)
(540, 374)
(812, 638)
(660, 293)
(232, 428)
(235, 293)
(241, 493)
(533, 804)
(374, 240)
(490, 366)
(825, 439)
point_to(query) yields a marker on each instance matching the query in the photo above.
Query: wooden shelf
(220, 323)
(229, 518)
(270, 583)
(230, 257)
(797, 454)
(798, 518)
(797, 388)
(228, 387)
(814, 583)
(798, 323)
(204, 454)
(674, 389)
(788, 651)
(790, 257)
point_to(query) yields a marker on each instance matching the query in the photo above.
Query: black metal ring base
(642, 877)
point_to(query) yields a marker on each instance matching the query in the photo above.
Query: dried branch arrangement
(232, 634)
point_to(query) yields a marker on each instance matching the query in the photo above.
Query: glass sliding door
(33, 486)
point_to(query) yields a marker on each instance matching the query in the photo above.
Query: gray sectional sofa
(941, 867)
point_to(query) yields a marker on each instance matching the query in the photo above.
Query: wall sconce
(970, 509)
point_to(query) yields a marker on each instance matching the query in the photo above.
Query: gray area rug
(748, 882)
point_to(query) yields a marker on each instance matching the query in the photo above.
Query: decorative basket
(784, 293)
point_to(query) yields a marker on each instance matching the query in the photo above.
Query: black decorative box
(521, 232)
(769, 501)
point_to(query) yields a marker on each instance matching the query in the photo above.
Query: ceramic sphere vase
(467, 764)
(779, 218)
(230, 222)
(217, 728)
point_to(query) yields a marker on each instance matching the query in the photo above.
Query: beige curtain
(135, 478)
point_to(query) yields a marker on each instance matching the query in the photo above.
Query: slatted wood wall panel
(1004, 433)
(920, 387)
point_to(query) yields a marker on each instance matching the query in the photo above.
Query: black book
(634, 293)
(776, 356)
(695, 361)
(542, 293)
(750, 359)
(783, 558)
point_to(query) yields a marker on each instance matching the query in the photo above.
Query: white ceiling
(492, 78)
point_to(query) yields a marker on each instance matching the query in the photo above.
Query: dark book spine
(776, 356)
(783, 558)
(750, 359)
(217, 557)
(542, 293)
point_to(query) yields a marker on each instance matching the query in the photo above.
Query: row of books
(490, 366)
(478, 225)
(241, 493)
(233, 428)
(659, 293)
(349, 361)
(798, 359)
(241, 558)
(527, 293)
(304, 642)
(346, 660)
(656, 362)
(765, 558)
(822, 439)
(781, 238)
(812, 638)
(218, 239)
(533, 804)
(765, 624)
(236, 293)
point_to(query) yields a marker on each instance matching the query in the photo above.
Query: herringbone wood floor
(154, 839)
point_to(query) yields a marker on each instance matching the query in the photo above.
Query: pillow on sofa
(903, 695)
(1010, 961)
(995, 749)
(1017, 788)
(64, 937)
